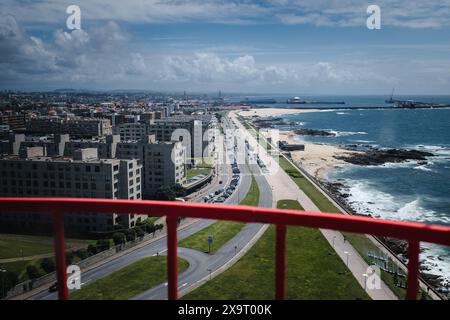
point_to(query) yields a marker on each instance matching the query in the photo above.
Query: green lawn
(16, 246)
(359, 241)
(314, 271)
(12, 248)
(129, 281)
(222, 231)
(190, 173)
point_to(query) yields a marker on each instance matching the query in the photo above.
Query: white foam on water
(437, 150)
(423, 168)
(364, 141)
(346, 133)
(342, 113)
(365, 198)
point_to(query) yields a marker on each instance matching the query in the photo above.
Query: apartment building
(192, 131)
(83, 176)
(163, 162)
(78, 127)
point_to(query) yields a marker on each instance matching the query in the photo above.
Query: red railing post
(172, 263)
(280, 262)
(60, 256)
(413, 270)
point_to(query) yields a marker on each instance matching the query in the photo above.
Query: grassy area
(13, 248)
(129, 281)
(16, 246)
(222, 231)
(252, 196)
(360, 242)
(308, 188)
(314, 271)
(190, 173)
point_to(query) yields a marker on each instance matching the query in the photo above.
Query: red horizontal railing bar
(402, 230)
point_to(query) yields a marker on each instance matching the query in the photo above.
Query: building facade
(83, 176)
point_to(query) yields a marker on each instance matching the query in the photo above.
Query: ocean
(405, 191)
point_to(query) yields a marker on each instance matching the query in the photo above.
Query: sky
(272, 46)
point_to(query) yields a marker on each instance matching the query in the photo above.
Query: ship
(295, 100)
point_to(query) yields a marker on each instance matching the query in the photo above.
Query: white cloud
(342, 13)
(206, 67)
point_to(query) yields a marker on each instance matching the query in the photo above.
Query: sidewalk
(285, 188)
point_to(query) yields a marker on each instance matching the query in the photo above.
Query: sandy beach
(272, 112)
(317, 159)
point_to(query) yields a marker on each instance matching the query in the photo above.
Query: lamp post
(365, 275)
(347, 254)
(209, 270)
(334, 237)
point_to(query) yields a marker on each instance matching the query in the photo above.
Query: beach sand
(317, 159)
(272, 112)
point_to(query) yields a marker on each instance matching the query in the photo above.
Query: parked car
(220, 200)
(218, 192)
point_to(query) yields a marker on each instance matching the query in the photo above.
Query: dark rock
(379, 157)
(313, 132)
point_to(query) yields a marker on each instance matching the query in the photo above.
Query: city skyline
(239, 46)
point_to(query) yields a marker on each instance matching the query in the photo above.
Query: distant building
(163, 162)
(83, 176)
(80, 127)
(15, 121)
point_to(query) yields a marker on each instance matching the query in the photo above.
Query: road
(284, 187)
(200, 264)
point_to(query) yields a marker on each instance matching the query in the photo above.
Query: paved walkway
(284, 187)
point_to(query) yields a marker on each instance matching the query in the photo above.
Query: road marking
(83, 283)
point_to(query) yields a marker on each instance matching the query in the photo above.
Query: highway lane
(160, 246)
(204, 263)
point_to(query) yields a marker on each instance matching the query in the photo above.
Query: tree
(169, 193)
(103, 244)
(69, 257)
(130, 235)
(48, 265)
(81, 253)
(139, 232)
(8, 279)
(118, 238)
(149, 227)
(33, 272)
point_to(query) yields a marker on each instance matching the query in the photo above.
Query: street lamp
(347, 254)
(209, 273)
(334, 237)
(365, 275)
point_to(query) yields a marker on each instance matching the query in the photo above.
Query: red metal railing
(414, 233)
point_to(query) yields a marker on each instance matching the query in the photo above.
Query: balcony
(414, 233)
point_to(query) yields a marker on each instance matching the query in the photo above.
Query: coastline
(273, 112)
(319, 159)
(316, 159)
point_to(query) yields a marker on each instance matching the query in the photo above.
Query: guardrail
(414, 233)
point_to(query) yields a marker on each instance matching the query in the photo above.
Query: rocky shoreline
(376, 157)
(397, 246)
(313, 132)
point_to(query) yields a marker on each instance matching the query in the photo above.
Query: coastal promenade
(284, 188)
